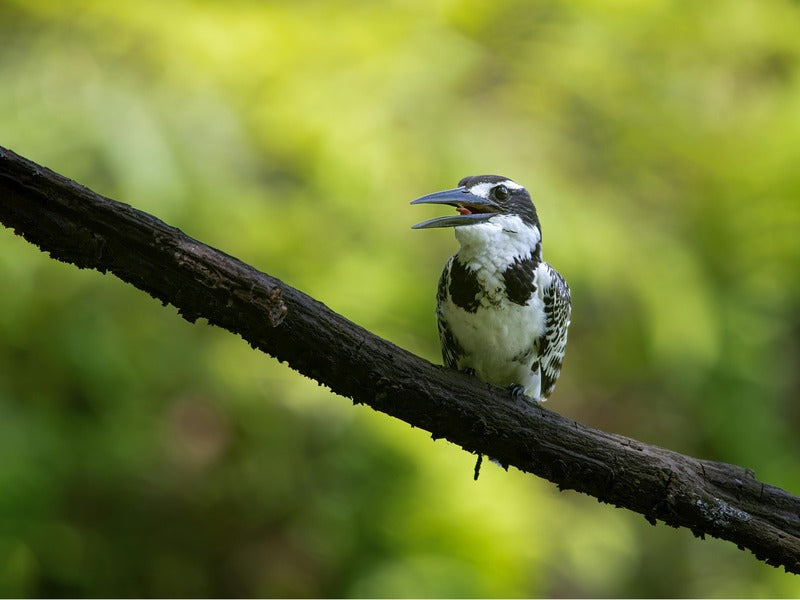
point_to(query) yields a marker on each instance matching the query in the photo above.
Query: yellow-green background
(142, 455)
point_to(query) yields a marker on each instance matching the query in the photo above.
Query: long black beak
(473, 209)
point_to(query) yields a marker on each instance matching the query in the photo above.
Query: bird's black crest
(468, 182)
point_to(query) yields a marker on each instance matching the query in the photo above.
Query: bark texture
(81, 227)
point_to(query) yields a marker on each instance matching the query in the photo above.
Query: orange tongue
(463, 210)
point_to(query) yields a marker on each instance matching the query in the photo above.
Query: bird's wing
(451, 349)
(553, 343)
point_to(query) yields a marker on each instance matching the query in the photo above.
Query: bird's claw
(518, 392)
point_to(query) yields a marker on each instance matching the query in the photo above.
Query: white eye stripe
(512, 185)
(484, 189)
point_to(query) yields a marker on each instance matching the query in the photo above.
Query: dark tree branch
(78, 226)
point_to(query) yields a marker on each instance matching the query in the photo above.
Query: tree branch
(78, 226)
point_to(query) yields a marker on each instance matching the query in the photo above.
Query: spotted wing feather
(553, 343)
(451, 349)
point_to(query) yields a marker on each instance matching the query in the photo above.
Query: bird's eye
(500, 192)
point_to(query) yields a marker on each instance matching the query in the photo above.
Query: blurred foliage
(142, 455)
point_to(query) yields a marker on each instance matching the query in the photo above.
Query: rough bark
(78, 226)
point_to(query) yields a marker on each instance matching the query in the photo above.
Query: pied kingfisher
(503, 312)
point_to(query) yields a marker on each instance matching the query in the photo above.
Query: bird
(502, 312)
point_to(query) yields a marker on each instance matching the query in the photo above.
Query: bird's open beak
(472, 209)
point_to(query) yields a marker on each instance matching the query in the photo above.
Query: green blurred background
(142, 455)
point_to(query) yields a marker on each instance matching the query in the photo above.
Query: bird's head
(478, 200)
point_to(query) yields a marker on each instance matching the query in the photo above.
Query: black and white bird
(503, 312)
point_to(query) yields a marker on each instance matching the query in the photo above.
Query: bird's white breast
(498, 338)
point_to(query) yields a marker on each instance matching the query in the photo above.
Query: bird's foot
(469, 371)
(518, 394)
